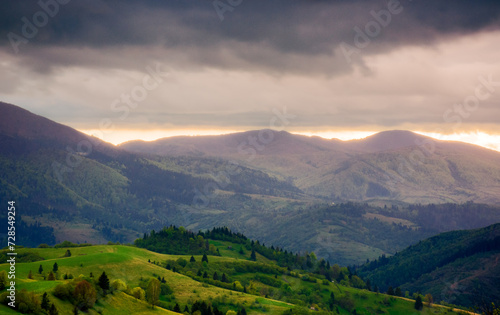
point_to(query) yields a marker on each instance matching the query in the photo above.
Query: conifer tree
(45, 301)
(418, 303)
(104, 282)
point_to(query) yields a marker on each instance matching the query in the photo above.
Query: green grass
(130, 264)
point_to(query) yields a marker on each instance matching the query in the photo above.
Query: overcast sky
(340, 68)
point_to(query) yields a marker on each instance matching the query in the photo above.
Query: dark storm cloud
(281, 35)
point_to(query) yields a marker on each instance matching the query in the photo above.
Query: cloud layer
(409, 64)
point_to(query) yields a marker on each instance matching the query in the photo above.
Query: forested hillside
(459, 267)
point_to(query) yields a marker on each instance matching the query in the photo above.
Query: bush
(182, 262)
(138, 293)
(64, 291)
(119, 285)
(165, 289)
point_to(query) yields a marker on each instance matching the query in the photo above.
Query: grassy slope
(130, 264)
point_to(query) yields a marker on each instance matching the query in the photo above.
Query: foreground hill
(233, 283)
(391, 165)
(460, 267)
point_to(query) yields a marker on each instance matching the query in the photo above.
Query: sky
(125, 69)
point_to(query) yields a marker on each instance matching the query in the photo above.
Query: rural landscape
(235, 157)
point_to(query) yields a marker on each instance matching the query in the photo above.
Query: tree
(177, 308)
(205, 275)
(390, 291)
(68, 253)
(53, 310)
(204, 258)
(153, 292)
(103, 282)
(75, 311)
(118, 285)
(30, 275)
(51, 277)
(398, 292)
(45, 301)
(84, 295)
(55, 267)
(224, 278)
(192, 259)
(418, 303)
(253, 256)
(138, 293)
(428, 298)
(216, 276)
(331, 301)
(40, 269)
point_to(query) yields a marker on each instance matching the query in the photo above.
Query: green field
(132, 265)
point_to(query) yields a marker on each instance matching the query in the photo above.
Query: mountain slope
(391, 165)
(460, 267)
(109, 194)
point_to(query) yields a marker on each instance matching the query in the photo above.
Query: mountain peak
(388, 140)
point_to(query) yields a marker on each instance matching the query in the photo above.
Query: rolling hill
(229, 282)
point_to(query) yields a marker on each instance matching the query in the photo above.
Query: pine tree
(55, 267)
(205, 275)
(68, 253)
(216, 276)
(177, 308)
(253, 256)
(205, 258)
(192, 259)
(331, 301)
(390, 291)
(224, 278)
(418, 303)
(30, 275)
(398, 292)
(40, 269)
(186, 309)
(53, 310)
(45, 301)
(104, 282)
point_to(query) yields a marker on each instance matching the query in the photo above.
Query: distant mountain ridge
(390, 165)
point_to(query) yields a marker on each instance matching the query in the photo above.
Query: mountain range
(391, 165)
(347, 201)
